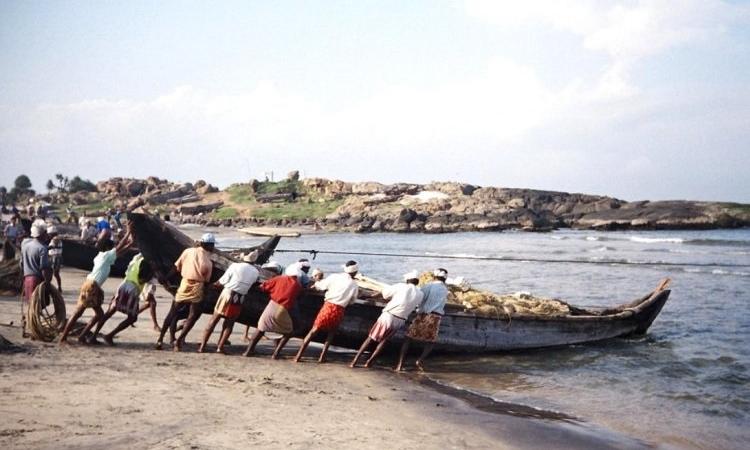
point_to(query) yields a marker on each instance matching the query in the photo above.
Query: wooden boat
(81, 255)
(459, 331)
(271, 231)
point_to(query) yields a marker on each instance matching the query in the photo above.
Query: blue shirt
(435, 296)
(103, 225)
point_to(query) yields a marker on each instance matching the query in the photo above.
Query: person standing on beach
(92, 295)
(55, 252)
(126, 299)
(35, 266)
(236, 281)
(341, 290)
(195, 267)
(275, 268)
(404, 299)
(426, 325)
(283, 290)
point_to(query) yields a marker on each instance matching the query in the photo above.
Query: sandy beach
(132, 396)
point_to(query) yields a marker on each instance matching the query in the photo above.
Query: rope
(315, 253)
(43, 325)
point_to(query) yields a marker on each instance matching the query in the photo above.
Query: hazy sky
(635, 99)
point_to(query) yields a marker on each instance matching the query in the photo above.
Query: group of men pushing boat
(280, 316)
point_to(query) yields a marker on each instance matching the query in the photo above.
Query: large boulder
(451, 188)
(368, 188)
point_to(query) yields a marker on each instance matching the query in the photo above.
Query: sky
(633, 99)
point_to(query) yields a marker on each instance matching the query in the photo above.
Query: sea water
(685, 384)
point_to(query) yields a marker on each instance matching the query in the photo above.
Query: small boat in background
(271, 231)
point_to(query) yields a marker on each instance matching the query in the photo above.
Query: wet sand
(132, 396)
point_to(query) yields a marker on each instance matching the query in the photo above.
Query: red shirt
(283, 290)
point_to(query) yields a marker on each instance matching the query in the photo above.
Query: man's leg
(207, 332)
(326, 344)
(121, 326)
(305, 343)
(247, 331)
(280, 346)
(57, 278)
(361, 350)
(251, 346)
(420, 361)
(110, 312)
(69, 326)
(192, 318)
(152, 308)
(226, 330)
(169, 323)
(402, 355)
(98, 314)
(376, 353)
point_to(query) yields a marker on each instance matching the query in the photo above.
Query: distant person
(426, 325)
(235, 283)
(341, 290)
(118, 217)
(35, 265)
(55, 251)
(13, 231)
(127, 298)
(92, 293)
(283, 290)
(316, 275)
(195, 267)
(404, 299)
(103, 228)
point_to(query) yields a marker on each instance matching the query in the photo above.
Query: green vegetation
(78, 184)
(91, 208)
(297, 210)
(278, 187)
(241, 194)
(225, 213)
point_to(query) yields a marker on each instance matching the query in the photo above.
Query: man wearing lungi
(404, 299)
(341, 290)
(236, 281)
(92, 295)
(426, 325)
(195, 267)
(284, 291)
(126, 299)
(35, 265)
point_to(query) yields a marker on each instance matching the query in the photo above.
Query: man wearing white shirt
(405, 297)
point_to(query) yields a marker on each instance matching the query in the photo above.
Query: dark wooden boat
(459, 331)
(81, 255)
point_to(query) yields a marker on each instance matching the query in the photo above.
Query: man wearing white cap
(341, 290)
(405, 297)
(426, 325)
(236, 281)
(283, 290)
(195, 267)
(35, 265)
(55, 252)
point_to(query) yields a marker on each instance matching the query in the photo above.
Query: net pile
(489, 304)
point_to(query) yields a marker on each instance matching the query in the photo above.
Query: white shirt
(404, 297)
(239, 277)
(435, 296)
(341, 289)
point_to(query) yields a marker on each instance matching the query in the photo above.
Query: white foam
(592, 238)
(646, 240)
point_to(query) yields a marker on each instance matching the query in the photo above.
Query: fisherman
(148, 297)
(236, 281)
(341, 290)
(283, 291)
(92, 295)
(35, 265)
(316, 275)
(126, 299)
(117, 217)
(275, 268)
(405, 297)
(103, 228)
(195, 267)
(55, 251)
(304, 265)
(13, 231)
(426, 325)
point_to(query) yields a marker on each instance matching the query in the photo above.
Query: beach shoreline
(132, 395)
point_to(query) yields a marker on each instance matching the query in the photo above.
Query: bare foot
(221, 350)
(398, 369)
(419, 365)
(352, 365)
(322, 360)
(157, 329)
(63, 342)
(296, 359)
(201, 349)
(246, 338)
(248, 352)
(93, 341)
(368, 364)
(158, 345)
(108, 339)
(177, 347)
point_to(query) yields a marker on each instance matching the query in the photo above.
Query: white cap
(208, 238)
(304, 263)
(37, 230)
(272, 265)
(440, 273)
(293, 270)
(351, 269)
(413, 275)
(52, 230)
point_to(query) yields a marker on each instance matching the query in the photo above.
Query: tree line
(22, 187)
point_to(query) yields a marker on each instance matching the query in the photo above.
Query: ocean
(685, 384)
